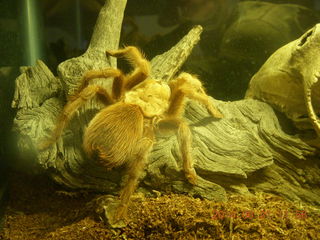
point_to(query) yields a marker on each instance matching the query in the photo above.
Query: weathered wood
(105, 36)
(166, 65)
(246, 150)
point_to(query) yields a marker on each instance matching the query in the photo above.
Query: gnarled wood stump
(245, 151)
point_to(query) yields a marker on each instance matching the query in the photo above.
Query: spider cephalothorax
(123, 131)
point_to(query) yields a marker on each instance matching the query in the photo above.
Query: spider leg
(117, 85)
(134, 171)
(137, 60)
(71, 107)
(182, 87)
(204, 99)
(185, 145)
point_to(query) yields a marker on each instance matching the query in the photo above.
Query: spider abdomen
(113, 134)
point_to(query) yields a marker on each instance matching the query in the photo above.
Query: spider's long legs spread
(177, 103)
(134, 170)
(137, 60)
(71, 107)
(204, 99)
(185, 142)
(117, 86)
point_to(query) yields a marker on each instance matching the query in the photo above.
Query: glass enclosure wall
(237, 39)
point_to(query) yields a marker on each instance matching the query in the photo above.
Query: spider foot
(119, 52)
(121, 212)
(214, 111)
(119, 218)
(111, 211)
(111, 53)
(191, 176)
(129, 51)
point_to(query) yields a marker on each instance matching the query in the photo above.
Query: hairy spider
(123, 131)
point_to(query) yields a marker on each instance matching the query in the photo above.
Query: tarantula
(123, 131)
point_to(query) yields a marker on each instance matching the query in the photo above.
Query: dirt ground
(38, 209)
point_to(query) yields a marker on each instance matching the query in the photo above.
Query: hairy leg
(185, 145)
(177, 104)
(117, 85)
(189, 86)
(134, 171)
(137, 60)
(71, 107)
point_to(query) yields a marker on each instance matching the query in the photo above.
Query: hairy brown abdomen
(113, 134)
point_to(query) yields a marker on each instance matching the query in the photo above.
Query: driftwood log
(246, 151)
